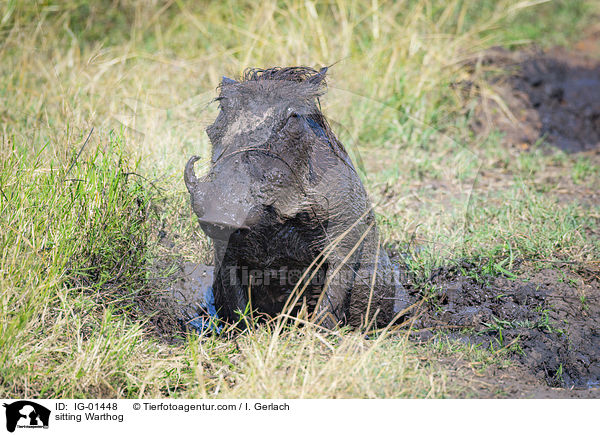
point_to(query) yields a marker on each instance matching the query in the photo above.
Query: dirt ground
(545, 321)
(552, 95)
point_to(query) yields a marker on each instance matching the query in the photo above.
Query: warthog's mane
(298, 74)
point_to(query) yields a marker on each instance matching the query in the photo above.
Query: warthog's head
(266, 141)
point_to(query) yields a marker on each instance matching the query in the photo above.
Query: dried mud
(545, 320)
(551, 96)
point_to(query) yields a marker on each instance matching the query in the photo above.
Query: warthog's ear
(318, 77)
(226, 81)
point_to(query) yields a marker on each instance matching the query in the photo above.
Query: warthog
(282, 195)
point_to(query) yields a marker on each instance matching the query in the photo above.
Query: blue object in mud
(193, 298)
(206, 323)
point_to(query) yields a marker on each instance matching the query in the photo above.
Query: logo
(26, 414)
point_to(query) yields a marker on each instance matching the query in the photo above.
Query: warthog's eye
(292, 113)
(290, 120)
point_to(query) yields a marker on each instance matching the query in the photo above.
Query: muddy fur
(281, 189)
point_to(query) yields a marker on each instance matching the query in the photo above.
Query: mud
(551, 96)
(191, 296)
(546, 321)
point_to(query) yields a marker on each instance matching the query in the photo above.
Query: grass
(84, 215)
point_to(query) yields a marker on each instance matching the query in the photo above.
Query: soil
(545, 320)
(192, 295)
(551, 96)
(182, 299)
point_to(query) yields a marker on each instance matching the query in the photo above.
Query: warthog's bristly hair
(291, 73)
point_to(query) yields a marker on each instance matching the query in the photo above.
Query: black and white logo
(24, 414)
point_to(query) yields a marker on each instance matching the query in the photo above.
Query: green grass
(81, 218)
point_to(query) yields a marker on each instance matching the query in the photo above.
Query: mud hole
(182, 299)
(545, 320)
(552, 96)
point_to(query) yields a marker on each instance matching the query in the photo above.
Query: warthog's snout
(221, 210)
(216, 229)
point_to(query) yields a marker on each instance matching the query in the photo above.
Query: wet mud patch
(552, 96)
(191, 296)
(546, 321)
(182, 301)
